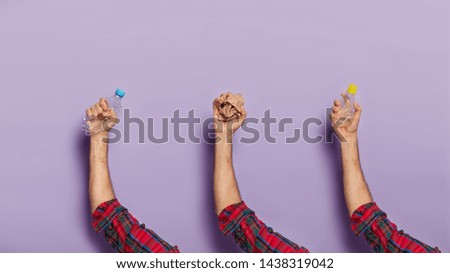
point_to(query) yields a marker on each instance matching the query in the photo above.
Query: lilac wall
(291, 56)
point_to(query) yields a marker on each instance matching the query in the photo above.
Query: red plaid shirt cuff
(382, 234)
(251, 234)
(231, 217)
(105, 214)
(364, 216)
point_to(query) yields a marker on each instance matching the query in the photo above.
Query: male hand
(345, 128)
(229, 113)
(101, 118)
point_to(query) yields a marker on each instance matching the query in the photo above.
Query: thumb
(110, 114)
(358, 111)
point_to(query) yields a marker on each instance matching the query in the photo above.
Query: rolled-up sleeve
(232, 216)
(105, 214)
(251, 234)
(383, 235)
(124, 233)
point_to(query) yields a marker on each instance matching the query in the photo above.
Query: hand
(345, 128)
(101, 118)
(229, 113)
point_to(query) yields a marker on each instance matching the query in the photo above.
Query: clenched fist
(100, 118)
(345, 127)
(229, 113)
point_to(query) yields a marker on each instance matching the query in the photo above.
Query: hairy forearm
(226, 191)
(100, 187)
(356, 190)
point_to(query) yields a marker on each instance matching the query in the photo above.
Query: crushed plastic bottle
(349, 100)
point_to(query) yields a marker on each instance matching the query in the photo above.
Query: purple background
(58, 57)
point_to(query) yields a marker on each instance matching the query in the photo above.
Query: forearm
(226, 191)
(356, 190)
(100, 187)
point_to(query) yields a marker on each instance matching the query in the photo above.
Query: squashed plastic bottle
(349, 100)
(114, 102)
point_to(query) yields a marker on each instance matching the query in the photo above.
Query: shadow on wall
(98, 243)
(219, 242)
(342, 230)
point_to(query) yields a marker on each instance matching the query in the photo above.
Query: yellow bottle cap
(352, 89)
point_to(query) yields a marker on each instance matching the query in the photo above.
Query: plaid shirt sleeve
(382, 234)
(124, 233)
(251, 234)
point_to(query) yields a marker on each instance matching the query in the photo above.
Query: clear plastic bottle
(349, 100)
(114, 102)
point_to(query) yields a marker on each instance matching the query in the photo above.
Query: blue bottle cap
(120, 92)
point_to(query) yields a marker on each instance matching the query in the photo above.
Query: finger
(215, 109)
(357, 115)
(220, 100)
(89, 113)
(98, 108)
(336, 109)
(94, 111)
(107, 113)
(337, 103)
(110, 115)
(333, 117)
(103, 104)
